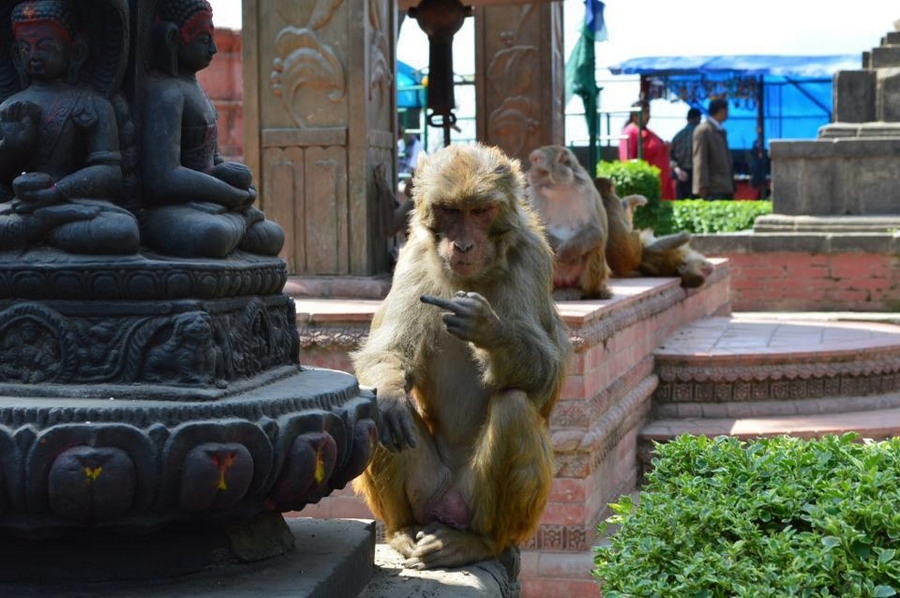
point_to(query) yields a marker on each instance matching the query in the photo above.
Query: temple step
(753, 375)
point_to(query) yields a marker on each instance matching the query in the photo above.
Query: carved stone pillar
(520, 76)
(319, 117)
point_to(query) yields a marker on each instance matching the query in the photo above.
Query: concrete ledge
(485, 579)
(874, 144)
(798, 241)
(870, 223)
(877, 425)
(349, 287)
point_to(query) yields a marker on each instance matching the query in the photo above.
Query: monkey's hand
(397, 430)
(471, 318)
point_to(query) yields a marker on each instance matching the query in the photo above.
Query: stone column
(520, 76)
(319, 118)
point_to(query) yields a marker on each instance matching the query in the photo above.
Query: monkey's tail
(513, 469)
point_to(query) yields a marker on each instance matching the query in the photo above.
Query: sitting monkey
(561, 192)
(468, 356)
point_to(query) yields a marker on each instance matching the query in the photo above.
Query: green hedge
(769, 518)
(636, 176)
(665, 217)
(720, 216)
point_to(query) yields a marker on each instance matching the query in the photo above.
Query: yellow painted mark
(92, 473)
(320, 467)
(224, 463)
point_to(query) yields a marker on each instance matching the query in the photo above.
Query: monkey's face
(694, 272)
(464, 239)
(551, 165)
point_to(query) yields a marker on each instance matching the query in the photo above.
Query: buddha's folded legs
(184, 231)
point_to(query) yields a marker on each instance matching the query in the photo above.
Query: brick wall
(810, 272)
(223, 82)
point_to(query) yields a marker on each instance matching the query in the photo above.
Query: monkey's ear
(563, 156)
(604, 185)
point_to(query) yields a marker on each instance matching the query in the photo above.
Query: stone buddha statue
(60, 159)
(195, 204)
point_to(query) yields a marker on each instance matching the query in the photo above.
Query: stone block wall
(809, 271)
(594, 427)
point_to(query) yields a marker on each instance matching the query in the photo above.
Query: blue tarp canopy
(410, 93)
(793, 94)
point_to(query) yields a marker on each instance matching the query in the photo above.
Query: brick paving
(856, 355)
(760, 335)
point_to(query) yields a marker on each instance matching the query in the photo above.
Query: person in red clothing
(655, 150)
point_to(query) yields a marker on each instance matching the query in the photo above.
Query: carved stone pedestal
(161, 402)
(852, 168)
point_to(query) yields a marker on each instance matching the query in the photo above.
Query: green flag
(581, 72)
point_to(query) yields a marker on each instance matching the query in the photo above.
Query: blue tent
(410, 93)
(791, 94)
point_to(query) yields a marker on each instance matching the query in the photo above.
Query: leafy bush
(773, 517)
(721, 216)
(636, 176)
(665, 217)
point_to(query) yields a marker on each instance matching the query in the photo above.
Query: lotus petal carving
(304, 61)
(511, 123)
(511, 71)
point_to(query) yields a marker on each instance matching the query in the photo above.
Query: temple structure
(155, 419)
(846, 180)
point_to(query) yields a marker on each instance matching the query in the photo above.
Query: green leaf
(830, 542)
(882, 591)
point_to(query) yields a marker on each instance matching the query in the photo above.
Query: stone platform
(759, 374)
(332, 559)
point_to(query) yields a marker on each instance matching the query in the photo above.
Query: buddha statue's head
(48, 46)
(186, 35)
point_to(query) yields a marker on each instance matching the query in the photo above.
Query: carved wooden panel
(320, 109)
(285, 180)
(325, 223)
(520, 73)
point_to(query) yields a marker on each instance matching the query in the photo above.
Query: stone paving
(762, 374)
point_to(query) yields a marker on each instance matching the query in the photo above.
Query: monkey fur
(633, 253)
(570, 208)
(468, 355)
(673, 256)
(623, 246)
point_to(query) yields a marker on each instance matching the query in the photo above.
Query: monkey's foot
(566, 294)
(438, 545)
(404, 540)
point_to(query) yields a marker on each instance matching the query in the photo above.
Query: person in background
(682, 153)
(713, 168)
(408, 153)
(654, 149)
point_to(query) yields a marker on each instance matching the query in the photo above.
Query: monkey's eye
(447, 211)
(480, 211)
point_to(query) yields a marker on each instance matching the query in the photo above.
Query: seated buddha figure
(60, 163)
(195, 204)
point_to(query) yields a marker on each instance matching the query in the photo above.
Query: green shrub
(774, 517)
(637, 176)
(665, 217)
(721, 216)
